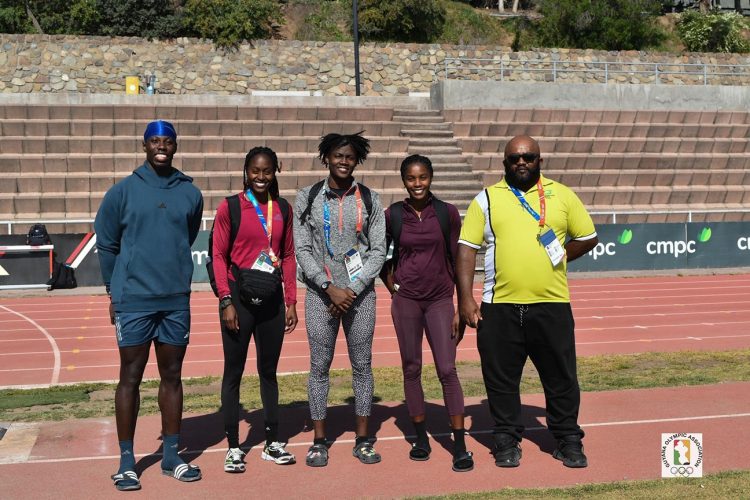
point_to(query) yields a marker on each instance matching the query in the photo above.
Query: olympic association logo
(681, 455)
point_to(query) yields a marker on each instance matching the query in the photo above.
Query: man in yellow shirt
(525, 220)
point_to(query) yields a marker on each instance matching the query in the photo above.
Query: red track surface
(623, 428)
(73, 459)
(68, 338)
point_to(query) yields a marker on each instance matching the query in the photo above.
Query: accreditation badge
(552, 246)
(264, 263)
(353, 261)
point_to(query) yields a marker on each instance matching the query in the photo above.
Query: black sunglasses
(527, 157)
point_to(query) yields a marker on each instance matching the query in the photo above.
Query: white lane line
(53, 344)
(400, 437)
(670, 339)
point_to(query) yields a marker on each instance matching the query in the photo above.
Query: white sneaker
(276, 453)
(234, 461)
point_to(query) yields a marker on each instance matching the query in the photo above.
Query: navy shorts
(167, 327)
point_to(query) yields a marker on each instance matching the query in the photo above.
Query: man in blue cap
(145, 227)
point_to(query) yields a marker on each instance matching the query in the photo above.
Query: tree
(418, 21)
(145, 18)
(229, 22)
(712, 32)
(76, 17)
(13, 18)
(601, 24)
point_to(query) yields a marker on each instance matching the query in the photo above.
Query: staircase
(431, 136)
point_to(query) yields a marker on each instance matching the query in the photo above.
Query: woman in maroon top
(421, 285)
(264, 236)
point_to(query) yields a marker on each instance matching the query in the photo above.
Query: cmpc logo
(679, 247)
(609, 249)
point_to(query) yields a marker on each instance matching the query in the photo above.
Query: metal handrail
(656, 71)
(614, 213)
(10, 223)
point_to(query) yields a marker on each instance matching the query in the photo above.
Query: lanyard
(327, 218)
(542, 203)
(267, 228)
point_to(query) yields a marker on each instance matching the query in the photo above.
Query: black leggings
(266, 323)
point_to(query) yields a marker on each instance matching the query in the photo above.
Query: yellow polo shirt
(517, 268)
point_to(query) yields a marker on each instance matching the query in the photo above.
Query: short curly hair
(331, 142)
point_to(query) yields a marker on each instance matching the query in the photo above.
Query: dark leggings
(266, 323)
(412, 319)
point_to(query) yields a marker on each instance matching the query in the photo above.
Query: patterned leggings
(322, 330)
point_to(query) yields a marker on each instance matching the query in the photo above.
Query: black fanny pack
(257, 287)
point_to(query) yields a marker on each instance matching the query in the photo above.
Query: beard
(524, 180)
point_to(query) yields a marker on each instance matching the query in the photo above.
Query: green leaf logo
(704, 235)
(625, 237)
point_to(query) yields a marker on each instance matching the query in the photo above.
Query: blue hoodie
(145, 227)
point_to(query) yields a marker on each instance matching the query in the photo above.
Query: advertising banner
(621, 247)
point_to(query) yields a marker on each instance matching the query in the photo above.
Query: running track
(67, 338)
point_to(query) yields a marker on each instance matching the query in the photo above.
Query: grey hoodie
(310, 245)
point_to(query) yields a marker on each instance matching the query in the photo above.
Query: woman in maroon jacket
(263, 243)
(421, 285)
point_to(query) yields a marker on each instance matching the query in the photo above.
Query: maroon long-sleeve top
(423, 271)
(250, 241)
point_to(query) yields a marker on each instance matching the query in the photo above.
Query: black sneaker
(570, 452)
(317, 456)
(275, 452)
(507, 453)
(366, 453)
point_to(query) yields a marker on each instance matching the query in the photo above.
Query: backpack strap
(284, 208)
(396, 211)
(367, 200)
(235, 214)
(441, 210)
(314, 190)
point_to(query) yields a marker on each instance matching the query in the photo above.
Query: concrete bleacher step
(402, 112)
(190, 163)
(678, 117)
(431, 141)
(242, 127)
(146, 112)
(431, 151)
(419, 133)
(640, 161)
(613, 145)
(425, 126)
(602, 130)
(422, 120)
(186, 144)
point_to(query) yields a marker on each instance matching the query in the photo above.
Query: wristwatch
(225, 302)
(325, 285)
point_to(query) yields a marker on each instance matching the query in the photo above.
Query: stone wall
(40, 63)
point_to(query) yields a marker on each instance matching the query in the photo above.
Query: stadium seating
(57, 161)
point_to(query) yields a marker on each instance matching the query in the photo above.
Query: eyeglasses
(527, 157)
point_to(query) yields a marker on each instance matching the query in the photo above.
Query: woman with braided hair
(254, 266)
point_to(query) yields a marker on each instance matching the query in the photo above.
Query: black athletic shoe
(507, 453)
(570, 452)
